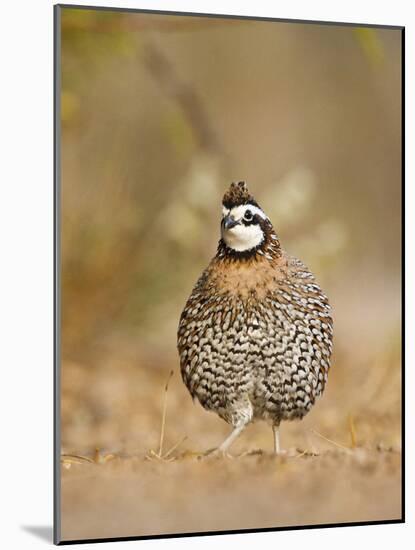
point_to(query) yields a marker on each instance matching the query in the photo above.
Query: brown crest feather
(238, 194)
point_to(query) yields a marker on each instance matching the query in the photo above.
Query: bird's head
(245, 227)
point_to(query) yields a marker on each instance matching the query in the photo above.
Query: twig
(184, 95)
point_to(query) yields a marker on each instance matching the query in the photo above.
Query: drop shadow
(44, 532)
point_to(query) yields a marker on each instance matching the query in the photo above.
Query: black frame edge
(403, 310)
(56, 273)
(229, 16)
(235, 532)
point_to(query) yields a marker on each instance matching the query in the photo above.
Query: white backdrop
(26, 268)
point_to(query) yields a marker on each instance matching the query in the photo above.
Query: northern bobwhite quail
(255, 336)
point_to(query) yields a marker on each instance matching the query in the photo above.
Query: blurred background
(159, 114)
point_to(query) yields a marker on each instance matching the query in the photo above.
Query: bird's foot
(293, 452)
(251, 452)
(281, 453)
(216, 452)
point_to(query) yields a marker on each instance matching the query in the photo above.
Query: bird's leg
(276, 431)
(228, 441)
(231, 438)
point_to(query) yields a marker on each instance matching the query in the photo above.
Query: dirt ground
(133, 496)
(341, 464)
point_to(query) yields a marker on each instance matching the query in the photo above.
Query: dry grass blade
(175, 446)
(76, 459)
(100, 458)
(163, 418)
(151, 455)
(303, 453)
(339, 445)
(352, 429)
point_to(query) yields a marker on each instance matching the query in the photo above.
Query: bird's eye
(248, 216)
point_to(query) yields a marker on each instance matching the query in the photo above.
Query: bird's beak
(229, 222)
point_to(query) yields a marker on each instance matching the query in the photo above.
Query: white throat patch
(243, 237)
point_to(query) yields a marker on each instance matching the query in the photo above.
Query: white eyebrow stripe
(225, 211)
(239, 211)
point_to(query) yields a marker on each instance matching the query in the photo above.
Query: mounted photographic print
(228, 284)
